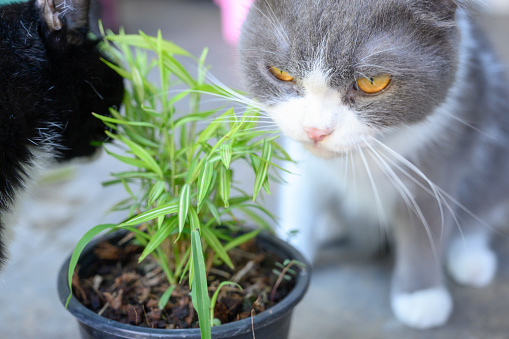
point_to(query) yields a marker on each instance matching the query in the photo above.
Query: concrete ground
(348, 298)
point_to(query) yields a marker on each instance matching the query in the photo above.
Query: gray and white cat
(404, 113)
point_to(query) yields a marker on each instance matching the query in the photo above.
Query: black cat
(51, 79)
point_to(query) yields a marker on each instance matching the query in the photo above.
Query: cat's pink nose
(317, 134)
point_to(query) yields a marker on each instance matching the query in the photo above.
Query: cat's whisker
(473, 215)
(264, 126)
(408, 196)
(258, 119)
(445, 195)
(464, 122)
(354, 172)
(373, 116)
(432, 191)
(383, 221)
(257, 127)
(381, 214)
(229, 98)
(435, 190)
(231, 94)
(217, 100)
(278, 30)
(459, 119)
(242, 115)
(256, 116)
(397, 183)
(346, 160)
(168, 92)
(415, 209)
(280, 27)
(224, 92)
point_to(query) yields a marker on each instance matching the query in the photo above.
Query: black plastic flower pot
(273, 323)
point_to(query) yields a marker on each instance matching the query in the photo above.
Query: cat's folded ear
(445, 6)
(441, 11)
(71, 15)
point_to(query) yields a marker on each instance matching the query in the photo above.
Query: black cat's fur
(51, 79)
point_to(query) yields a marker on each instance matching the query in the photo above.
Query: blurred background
(346, 299)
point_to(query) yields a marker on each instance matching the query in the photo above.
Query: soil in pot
(117, 287)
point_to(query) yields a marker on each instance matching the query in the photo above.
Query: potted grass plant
(169, 267)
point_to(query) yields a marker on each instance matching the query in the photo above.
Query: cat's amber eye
(279, 74)
(374, 84)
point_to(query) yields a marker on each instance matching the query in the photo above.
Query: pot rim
(269, 316)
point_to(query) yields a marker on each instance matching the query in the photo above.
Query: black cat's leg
(79, 75)
(15, 173)
(419, 297)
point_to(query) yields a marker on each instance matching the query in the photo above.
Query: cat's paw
(472, 266)
(423, 309)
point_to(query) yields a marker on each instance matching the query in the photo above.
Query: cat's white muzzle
(320, 120)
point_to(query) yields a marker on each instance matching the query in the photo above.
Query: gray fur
(329, 30)
(422, 46)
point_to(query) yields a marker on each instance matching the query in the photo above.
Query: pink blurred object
(233, 14)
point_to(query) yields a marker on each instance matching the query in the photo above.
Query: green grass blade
(216, 245)
(226, 153)
(239, 240)
(79, 248)
(143, 41)
(158, 238)
(224, 185)
(163, 300)
(194, 220)
(156, 191)
(204, 182)
(193, 117)
(266, 186)
(208, 132)
(122, 72)
(201, 66)
(230, 133)
(151, 214)
(127, 160)
(200, 294)
(213, 209)
(216, 294)
(176, 68)
(143, 155)
(184, 206)
(263, 168)
(256, 218)
(124, 122)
